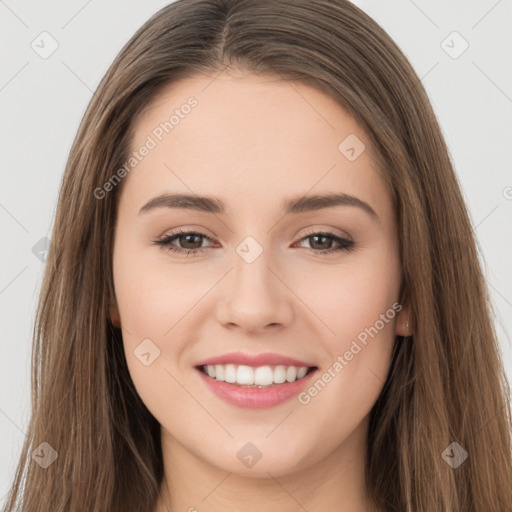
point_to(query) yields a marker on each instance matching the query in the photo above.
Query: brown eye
(322, 243)
(189, 242)
(191, 239)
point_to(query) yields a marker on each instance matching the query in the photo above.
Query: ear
(403, 322)
(114, 315)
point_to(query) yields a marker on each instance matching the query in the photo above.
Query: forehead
(252, 140)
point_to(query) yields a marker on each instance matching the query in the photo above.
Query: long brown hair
(446, 383)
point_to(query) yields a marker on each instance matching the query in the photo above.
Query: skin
(253, 142)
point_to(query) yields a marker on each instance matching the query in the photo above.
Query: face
(260, 281)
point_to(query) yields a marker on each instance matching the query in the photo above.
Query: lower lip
(256, 398)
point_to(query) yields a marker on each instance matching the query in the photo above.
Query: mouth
(255, 381)
(260, 377)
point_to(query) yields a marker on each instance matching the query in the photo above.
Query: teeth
(218, 371)
(245, 375)
(230, 373)
(279, 374)
(291, 374)
(301, 372)
(262, 376)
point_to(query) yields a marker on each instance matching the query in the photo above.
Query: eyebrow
(295, 205)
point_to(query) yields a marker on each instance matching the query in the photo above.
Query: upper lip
(267, 358)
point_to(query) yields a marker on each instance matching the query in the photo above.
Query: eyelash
(165, 242)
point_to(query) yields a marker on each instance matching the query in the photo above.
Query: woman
(295, 139)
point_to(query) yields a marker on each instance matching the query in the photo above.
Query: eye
(191, 242)
(324, 240)
(190, 239)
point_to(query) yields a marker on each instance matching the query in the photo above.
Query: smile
(259, 377)
(255, 381)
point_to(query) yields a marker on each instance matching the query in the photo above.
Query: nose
(254, 297)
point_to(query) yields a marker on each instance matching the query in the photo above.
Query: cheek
(358, 306)
(154, 296)
(158, 306)
(352, 298)
(152, 311)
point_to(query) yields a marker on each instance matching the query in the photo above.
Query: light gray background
(43, 101)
